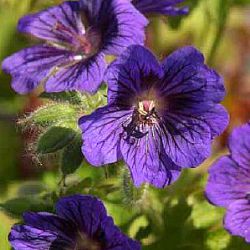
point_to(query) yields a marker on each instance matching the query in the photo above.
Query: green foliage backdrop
(34, 152)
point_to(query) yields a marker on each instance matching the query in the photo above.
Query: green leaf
(30, 188)
(218, 240)
(17, 206)
(50, 114)
(55, 139)
(205, 215)
(71, 97)
(72, 156)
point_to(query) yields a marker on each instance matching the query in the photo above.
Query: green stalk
(222, 15)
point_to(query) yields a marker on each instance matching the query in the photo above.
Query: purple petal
(147, 160)
(86, 212)
(165, 7)
(121, 25)
(101, 135)
(134, 72)
(239, 145)
(31, 66)
(216, 118)
(86, 75)
(227, 182)
(237, 219)
(50, 222)
(30, 238)
(90, 216)
(115, 239)
(188, 85)
(187, 139)
(61, 23)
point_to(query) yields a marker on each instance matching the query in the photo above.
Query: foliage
(176, 218)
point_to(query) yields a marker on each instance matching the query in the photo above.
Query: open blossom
(80, 223)
(165, 7)
(76, 36)
(229, 183)
(159, 118)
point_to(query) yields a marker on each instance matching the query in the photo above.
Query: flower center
(83, 242)
(146, 113)
(89, 43)
(83, 45)
(143, 118)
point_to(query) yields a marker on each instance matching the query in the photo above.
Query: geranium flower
(229, 183)
(159, 118)
(80, 223)
(165, 7)
(76, 36)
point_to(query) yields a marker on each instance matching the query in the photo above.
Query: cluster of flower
(159, 117)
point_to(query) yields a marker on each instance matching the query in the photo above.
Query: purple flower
(77, 36)
(80, 223)
(165, 7)
(229, 183)
(159, 118)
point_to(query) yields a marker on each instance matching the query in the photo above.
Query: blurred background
(179, 216)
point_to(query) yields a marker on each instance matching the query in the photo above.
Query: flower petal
(86, 75)
(216, 118)
(101, 132)
(86, 212)
(50, 222)
(165, 7)
(239, 145)
(120, 23)
(135, 71)
(187, 140)
(147, 160)
(190, 86)
(24, 237)
(115, 239)
(227, 182)
(32, 65)
(237, 219)
(57, 24)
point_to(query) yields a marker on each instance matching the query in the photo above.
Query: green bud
(55, 139)
(72, 156)
(50, 114)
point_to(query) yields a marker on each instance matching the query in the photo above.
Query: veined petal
(24, 237)
(187, 140)
(227, 182)
(101, 132)
(51, 222)
(134, 72)
(86, 212)
(165, 7)
(85, 75)
(239, 145)
(237, 219)
(188, 84)
(121, 26)
(115, 239)
(147, 160)
(57, 24)
(217, 118)
(32, 65)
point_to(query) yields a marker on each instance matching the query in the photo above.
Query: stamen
(61, 27)
(143, 117)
